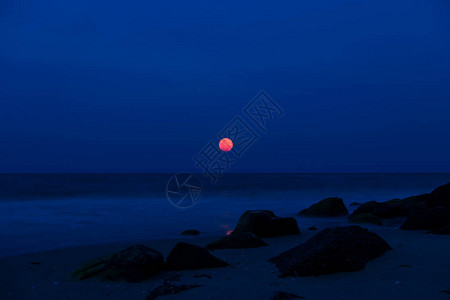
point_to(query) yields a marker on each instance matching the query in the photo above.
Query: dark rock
(388, 209)
(186, 256)
(412, 204)
(443, 230)
(264, 223)
(312, 228)
(329, 207)
(430, 219)
(445, 291)
(364, 219)
(355, 204)
(170, 289)
(132, 264)
(190, 232)
(393, 208)
(237, 240)
(285, 296)
(332, 250)
(441, 196)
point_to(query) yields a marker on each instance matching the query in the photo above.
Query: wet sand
(417, 268)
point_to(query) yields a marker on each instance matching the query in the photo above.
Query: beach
(416, 268)
(45, 239)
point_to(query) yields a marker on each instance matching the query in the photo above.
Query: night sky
(142, 86)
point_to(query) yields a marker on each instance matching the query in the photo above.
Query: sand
(418, 267)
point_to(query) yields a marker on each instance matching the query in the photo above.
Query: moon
(225, 144)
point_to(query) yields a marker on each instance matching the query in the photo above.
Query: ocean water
(48, 211)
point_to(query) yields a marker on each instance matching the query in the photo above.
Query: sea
(47, 211)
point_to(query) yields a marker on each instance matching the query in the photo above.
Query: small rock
(445, 291)
(312, 228)
(355, 204)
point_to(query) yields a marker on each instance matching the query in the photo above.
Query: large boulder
(329, 207)
(236, 241)
(132, 264)
(441, 196)
(332, 250)
(264, 223)
(364, 219)
(393, 208)
(186, 256)
(429, 219)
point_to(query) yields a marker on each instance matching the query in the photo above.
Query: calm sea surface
(47, 211)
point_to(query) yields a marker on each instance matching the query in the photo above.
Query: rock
(312, 228)
(393, 208)
(443, 230)
(329, 207)
(388, 209)
(186, 256)
(441, 196)
(280, 295)
(190, 232)
(430, 219)
(364, 219)
(236, 241)
(355, 204)
(412, 204)
(264, 223)
(91, 268)
(170, 289)
(132, 264)
(340, 249)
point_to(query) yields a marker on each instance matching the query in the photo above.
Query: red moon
(225, 144)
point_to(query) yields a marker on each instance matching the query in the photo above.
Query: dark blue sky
(141, 86)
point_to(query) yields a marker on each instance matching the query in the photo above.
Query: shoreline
(416, 268)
